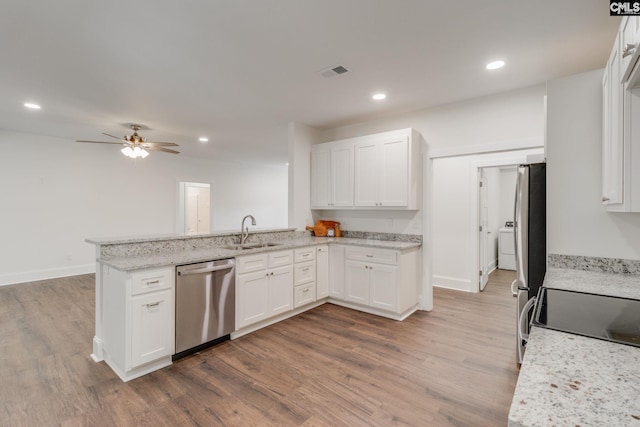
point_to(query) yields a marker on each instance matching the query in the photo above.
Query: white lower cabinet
(322, 272)
(139, 320)
(264, 286)
(305, 276)
(371, 284)
(380, 279)
(336, 271)
(151, 318)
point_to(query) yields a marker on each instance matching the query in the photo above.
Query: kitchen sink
(240, 247)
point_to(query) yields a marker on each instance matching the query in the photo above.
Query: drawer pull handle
(153, 282)
(153, 305)
(369, 256)
(305, 269)
(306, 290)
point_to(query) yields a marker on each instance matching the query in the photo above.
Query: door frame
(515, 160)
(183, 203)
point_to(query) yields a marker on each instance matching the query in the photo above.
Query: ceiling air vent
(336, 70)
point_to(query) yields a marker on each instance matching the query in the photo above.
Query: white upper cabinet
(629, 45)
(621, 122)
(369, 172)
(332, 175)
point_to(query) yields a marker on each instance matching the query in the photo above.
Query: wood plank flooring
(331, 366)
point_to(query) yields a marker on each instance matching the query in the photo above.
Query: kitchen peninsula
(377, 273)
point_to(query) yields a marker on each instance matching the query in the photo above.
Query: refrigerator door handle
(514, 288)
(524, 317)
(520, 223)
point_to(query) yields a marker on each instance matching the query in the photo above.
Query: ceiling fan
(137, 146)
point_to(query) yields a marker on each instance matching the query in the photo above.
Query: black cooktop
(597, 316)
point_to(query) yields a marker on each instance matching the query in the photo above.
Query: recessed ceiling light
(203, 139)
(379, 96)
(495, 65)
(32, 106)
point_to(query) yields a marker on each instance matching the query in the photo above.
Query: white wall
(300, 139)
(56, 193)
(508, 178)
(577, 223)
(506, 117)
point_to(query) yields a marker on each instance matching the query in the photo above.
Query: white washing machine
(506, 249)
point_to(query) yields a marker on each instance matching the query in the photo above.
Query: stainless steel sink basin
(240, 247)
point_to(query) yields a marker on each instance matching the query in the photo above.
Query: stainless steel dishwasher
(205, 305)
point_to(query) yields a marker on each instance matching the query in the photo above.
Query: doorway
(194, 212)
(496, 198)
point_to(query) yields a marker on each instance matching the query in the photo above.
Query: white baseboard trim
(493, 265)
(451, 283)
(50, 273)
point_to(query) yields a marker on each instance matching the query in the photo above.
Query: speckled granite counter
(571, 380)
(188, 256)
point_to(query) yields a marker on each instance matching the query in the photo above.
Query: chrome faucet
(244, 232)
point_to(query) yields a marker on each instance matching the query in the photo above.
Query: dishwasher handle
(205, 270)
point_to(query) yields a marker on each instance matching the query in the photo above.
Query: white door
(357, 279)
(342, 176)
(394, 172)
(152, 327)
(253, 297)
(280, 290)
(336, 272)
(384, 287)
(483, 221)
(322, 272)
(320, 178)
(367, 174)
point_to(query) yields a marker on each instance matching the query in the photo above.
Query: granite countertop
(162, 237)
(571, 380)
(192, 256)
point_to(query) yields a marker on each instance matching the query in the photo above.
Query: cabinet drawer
(251, 263)
(305, 254)
(151, 280)
(380, 256)
(304, 294)
(305, 272)
(280, 258)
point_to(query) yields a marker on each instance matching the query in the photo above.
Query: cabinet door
(336, 272)
(252, 298)
(384, 287)
(367, 174)
(280, 290)
(152, 327)
(342, 176)
(320, 178)
(357, 282)
(629, 45)
(322, 272)
(613, 143)
(394, 172)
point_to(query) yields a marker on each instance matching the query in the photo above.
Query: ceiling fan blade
(116, 137)
(160, 144)
(101, 142)
(166, 150)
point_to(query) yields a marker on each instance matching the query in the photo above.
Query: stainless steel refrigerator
(530, 233)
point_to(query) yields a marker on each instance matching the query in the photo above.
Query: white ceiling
(239, 70)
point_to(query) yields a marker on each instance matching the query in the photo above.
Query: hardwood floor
(331, 366)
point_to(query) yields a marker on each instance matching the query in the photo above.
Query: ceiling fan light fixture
(134, 152)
